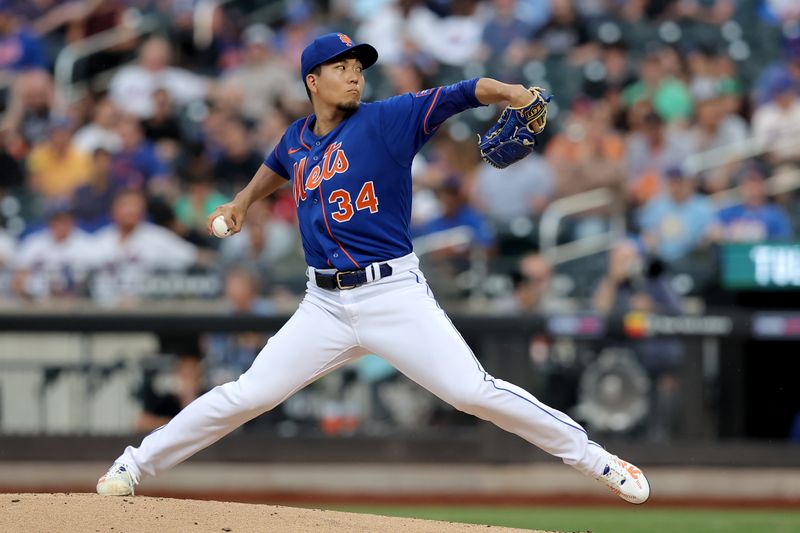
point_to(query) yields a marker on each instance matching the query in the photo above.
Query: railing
(572, 205)
(695, 164)
(779, 183)
(442, 240)
(133, 25)
(739, 151)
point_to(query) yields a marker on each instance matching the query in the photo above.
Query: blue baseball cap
(326, 47)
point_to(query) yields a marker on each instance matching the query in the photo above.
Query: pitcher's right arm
(265, 182)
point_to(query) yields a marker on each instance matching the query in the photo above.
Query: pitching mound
(89, 512)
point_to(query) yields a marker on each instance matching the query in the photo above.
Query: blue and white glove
(513, 136)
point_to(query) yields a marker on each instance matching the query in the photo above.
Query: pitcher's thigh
(420, 341)
(310, 344)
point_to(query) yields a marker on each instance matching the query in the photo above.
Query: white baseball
(220, 228)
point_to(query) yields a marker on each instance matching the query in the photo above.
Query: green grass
(605, 520)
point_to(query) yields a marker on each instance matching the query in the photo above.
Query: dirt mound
(90, 512)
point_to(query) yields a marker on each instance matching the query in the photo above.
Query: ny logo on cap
(345, 39)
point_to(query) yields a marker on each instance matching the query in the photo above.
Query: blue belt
(348, 279)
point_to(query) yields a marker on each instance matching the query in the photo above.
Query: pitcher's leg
(309, 345)
(425, 346)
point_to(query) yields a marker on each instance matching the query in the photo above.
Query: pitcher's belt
(349, 279)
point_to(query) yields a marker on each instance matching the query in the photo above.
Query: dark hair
(315, 71)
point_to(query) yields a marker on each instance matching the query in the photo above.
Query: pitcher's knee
(246, 398)
(468, 400)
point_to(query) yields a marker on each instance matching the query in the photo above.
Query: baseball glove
(512, 137)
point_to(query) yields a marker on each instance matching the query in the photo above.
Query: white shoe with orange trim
(625, 480)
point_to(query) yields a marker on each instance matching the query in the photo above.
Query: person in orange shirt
(56, 167)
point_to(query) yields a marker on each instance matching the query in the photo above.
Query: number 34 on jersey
(333, 162)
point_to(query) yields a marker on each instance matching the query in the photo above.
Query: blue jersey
(751, 224)
(352, 186)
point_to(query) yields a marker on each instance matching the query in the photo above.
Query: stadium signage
(639, 325)
(761, 266)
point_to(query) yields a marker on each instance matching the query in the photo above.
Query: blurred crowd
(109, 170)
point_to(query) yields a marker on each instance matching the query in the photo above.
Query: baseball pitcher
(349, 166)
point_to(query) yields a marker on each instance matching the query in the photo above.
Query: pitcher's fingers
(210, 220)
(230, 220)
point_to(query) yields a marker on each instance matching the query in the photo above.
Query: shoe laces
(614, 472)
(118, 469)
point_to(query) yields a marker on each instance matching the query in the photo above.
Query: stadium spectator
(522, 190)
(56, 167)
(270, 130)
(613, 77)
(20, 49)
(587, 154)
(650, 148)
(197, 202)
(228, 355)
(130, 249)
(702, 79)
(30, 108)
(453, 40)
(100, 132)
(132, 87)
(91, 203)
(137, 165)
(754, 219)
(300, 29)
(565, 35)
(715, 128)
(457, 213)
(788, 65)
(678, 221)
(264, 76)
(776, 122)
(505, 40)
(388, 27)
(8, 246)
(163, 125)
(238, 161)
(11, 175)
(633, 284)
(713, 12)
(53, 261)
(533, 290)
(160, 404)
(668, 95)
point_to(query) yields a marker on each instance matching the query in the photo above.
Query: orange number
(366, 199)
(345, 212)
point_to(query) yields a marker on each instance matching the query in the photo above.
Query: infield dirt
(45, 512)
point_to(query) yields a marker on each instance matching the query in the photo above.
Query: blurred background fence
(658, 386)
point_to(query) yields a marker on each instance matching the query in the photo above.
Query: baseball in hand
(220, 228)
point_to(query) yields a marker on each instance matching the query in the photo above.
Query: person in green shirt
(197, 202)
(669, 96)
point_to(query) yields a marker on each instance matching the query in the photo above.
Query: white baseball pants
(396, 318)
